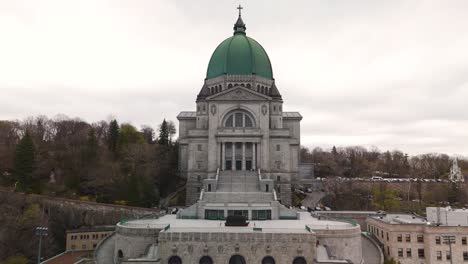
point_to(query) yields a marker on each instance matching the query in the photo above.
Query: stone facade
(269, 142)
(191, 247)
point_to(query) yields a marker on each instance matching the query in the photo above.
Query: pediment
(238, 93)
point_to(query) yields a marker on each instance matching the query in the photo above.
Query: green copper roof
(239, 55)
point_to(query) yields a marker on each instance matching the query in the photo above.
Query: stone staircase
(233, 197)
(238, 181)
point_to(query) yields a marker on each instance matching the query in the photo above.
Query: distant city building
(411, 239)
(87, 238)
(455, 172)
(80, 245)
(447, 216)
(239, 152)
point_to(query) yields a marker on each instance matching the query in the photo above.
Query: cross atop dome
(239, 26)
(240, 9)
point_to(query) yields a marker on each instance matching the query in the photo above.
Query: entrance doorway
(238, 164)
(248, 165)
(237, 259)
(228, 164)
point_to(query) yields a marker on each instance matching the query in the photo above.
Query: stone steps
(237, 181)
(237, 197)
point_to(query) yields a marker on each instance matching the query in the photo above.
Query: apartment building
(412, 239)
(83, 239)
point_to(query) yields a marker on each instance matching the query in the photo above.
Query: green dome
(239, 55)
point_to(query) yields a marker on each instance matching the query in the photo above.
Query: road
(370, 252)
(312, 199)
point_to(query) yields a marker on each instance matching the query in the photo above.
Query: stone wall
(134, 242)
(190, 247)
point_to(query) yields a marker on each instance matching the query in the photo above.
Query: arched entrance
(299, 260)
(268, 260)
(206, 260)
(237, 259)
(175, 260)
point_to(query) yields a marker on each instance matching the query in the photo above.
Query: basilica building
(239, 131)
(239, 152)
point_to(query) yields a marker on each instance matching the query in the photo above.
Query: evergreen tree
(113, 136)
(91, 145)
(24, 163)
(163, 134)
(334, 152)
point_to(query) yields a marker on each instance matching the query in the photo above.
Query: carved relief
(213, 109)
(264, 109)
(220, 249)
(238, 94)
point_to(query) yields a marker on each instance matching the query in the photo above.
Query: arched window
(258, 88)
(120, 254)
(237, 259)
(242, 85)
(230, 85)
(206, 260)
(174, 260)
(268, 260)
(248, 85)
(239, 118)
(299, 260)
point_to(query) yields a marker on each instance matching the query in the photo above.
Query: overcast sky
(391, 74)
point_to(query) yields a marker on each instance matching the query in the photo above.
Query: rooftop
(92, 229)
(400, 218)
(272, 226)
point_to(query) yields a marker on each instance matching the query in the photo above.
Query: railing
(338, 219)
(264, 182)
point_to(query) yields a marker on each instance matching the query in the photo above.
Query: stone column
(254, 156)
(223, 156)
(233, 158)
(243, 155)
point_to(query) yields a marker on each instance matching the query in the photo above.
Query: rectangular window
(463, 240)
(408, 252)
(420, 239)
(198, 190)
(239, 212)
(439, 255)
(214, 214)
(278, 147)
(261, 214)
(421, 253)
(399, 238)
(437, 240)
(400, 252)
(387, 237)
(465, 255)
(408, 238)
(199, 147)
(448, 256)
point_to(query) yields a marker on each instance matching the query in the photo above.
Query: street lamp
(40, 231)
(449, 240)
